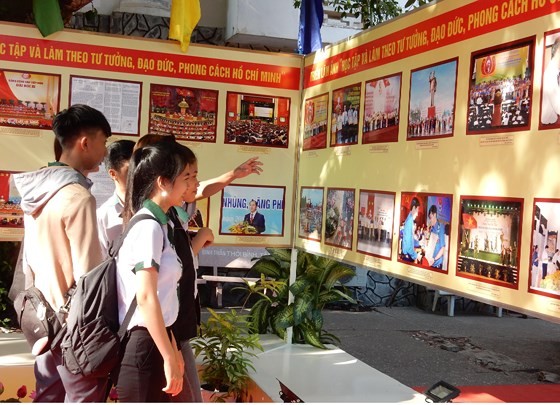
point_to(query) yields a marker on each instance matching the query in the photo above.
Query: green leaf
(311, 337)
(268, 266)
(302, 307)
(284, 318)
(328, 296)
(299, 286)
(327, 338)
(316, 319)
(336, 273)
(282, 255)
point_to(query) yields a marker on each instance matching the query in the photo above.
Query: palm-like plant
(226, 347)
(316, 278)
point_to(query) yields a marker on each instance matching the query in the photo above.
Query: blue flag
(310, 21)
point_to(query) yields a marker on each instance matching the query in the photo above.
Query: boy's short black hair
(118, 153)
(70, 123)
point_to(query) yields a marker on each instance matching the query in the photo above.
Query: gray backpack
(91, 345)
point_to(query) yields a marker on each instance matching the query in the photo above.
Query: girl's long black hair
(165, 159)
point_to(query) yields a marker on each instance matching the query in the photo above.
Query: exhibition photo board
(203, 97)
(458, 112)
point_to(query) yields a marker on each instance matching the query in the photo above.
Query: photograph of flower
(432, 101)
(489, 239)
(345, 115)
(382, 107)
(500, 88)
(375, 223)
(425, 226)
(339, 222)
(315, 122)
(311, 213)
(544, 266)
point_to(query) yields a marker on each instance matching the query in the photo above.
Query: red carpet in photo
(507, 393)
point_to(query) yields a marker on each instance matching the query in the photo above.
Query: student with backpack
(61, 236)
(149, 269)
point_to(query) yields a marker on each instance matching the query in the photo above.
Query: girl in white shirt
(149, 268)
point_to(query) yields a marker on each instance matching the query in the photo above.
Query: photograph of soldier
(339, 222)
(311, 213)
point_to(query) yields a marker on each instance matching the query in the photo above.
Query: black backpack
(92, 342)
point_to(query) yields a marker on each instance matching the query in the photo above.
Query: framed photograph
(252, 210)
(500, 88)
(315, 122)
(186, 112)
(550, 88)
(431, 109)
(257, 120)
(11, 214)
(381, 109)
(375, 223)
(118, 100)
(339, 221)
(345, 115)
(311, 213)
(28, 99)
(489, 239)
(544, 258)
(425, 226)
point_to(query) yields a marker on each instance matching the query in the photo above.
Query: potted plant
(226, 346)
(317, 284)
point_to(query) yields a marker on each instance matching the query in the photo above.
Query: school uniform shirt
(147, 245)
(109, 223)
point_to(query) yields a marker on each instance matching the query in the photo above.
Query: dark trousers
(141, 376)
(191, 383)
(544, 270)
(54, 383)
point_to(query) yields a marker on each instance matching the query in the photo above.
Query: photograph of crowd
(432, 106)
(345, 115)
(28, 99)
(489, 239)
(257, 120)
(311, 213)
(382, 107)
(187, 113)
(315, 122)
(550, 87)
(11, 214)
(425, 225)
(375, 223)
(544, 268)
(252, 210)
(500, 89)
(339, 221)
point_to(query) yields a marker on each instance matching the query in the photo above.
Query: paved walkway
(419, 348)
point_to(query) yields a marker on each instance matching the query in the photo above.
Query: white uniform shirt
(146, 246)
(109, 223)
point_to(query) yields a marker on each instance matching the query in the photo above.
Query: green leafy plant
(316, 284)
(226, 346)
